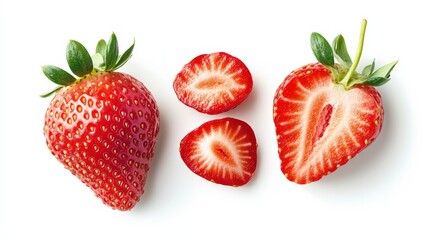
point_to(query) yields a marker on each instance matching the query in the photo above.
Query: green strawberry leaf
(51, 92)
(112, 52)
(99, 58)
(384, 71)
(381, 75)
(340, 51)
(106, 58)
(322, 50)
(58, 75)
(368, 70)
(376, 81)
(78, 58)
(125, 57)
(101, 48)
(98, 61)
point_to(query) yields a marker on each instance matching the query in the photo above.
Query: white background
(382, 193)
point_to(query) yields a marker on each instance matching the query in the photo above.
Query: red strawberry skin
(213, 83)
(103, 129)
(320, 126)
(223, 151)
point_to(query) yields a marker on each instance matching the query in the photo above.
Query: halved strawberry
(326, 113)
(223, 151)
(213, 83)
(320, 125)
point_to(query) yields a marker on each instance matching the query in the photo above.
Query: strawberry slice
(213, 83)
(223, 151)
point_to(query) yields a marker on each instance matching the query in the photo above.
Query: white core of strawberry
(221, 150)
(344, 122)
(215, 84)
(215, 80)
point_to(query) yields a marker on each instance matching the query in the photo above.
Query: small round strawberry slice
(213, 83)
(223, 151)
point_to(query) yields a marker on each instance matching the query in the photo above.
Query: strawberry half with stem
(223, 151)
(102, 125)
(326, 113)
(213, 83)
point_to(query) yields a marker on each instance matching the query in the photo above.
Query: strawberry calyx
(105, 59)
(344, 72)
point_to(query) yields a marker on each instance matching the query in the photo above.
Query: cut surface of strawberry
(320, 125)
(213, 83)
(326, 113)
(223, 151)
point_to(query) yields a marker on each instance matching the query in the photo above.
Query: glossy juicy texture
(103, 129)
(223, 151)
(320, 125)
(213, 83)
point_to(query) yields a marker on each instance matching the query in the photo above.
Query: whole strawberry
(102, 125)
(326, 113)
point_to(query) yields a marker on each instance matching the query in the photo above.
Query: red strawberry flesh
(320, 125)
(222, 151)
(213, 83)
(325, 117)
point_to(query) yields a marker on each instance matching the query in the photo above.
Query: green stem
(346, 80)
